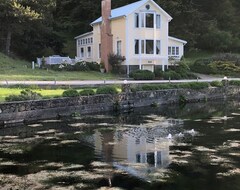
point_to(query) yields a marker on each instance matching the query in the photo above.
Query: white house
(137, 31)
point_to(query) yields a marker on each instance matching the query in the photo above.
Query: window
(158, 21)
(79, 42)
(119, 47)
(158, 47)
(99, 50)
(82, 52)
(142, 20)
(83, 41)
(169, 50)
(173, 51)
(177, 50)
(136, 46)
(149, 20)
(91, 40)
(136, 20)
(149, 46)
(89, 50)
(142, 46)
(88, 40)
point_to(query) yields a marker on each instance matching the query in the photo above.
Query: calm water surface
(170, 148)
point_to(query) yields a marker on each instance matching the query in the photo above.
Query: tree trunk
(8, 41)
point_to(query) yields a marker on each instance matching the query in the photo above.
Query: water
(170, 148)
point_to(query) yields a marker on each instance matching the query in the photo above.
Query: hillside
(15, 69)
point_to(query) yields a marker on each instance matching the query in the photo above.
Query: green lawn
(47, 93)
(14, 69)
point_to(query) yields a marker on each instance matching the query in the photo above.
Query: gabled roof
(177, 39)
(82, 35)
(128, 9)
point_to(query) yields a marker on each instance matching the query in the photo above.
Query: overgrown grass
(14, 69)
(4, 92)
(191, 56)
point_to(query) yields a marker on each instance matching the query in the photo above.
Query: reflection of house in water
(138, 150)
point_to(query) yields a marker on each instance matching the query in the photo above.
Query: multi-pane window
(147, 20)
(99, 50)
(119, 47)
(173, 50)
(82, 52)
(148, 46)
(89, 52)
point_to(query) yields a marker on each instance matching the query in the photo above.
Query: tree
(14, 17)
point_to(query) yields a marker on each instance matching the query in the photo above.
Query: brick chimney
(106, 34)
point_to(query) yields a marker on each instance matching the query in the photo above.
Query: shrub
(224, 67)
(93, 66)
(171, 75)
(194, 85)
(24, 95)
(143, 75)
(216, 83)
(115, 61)
(81, 66)
(234, 82)
(107, 90)
(70, 93)
(201, 66)
(87, 92)
(227, 57)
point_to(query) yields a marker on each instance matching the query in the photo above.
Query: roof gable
(128, 9)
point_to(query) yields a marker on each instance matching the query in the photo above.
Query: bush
(107, 90)
(87, 92)
(143, 75)
(194, 85)
(93, 66)
(81, 66)
(201, 66)
(70, 93)
(224, 67)
(216, 83)
(24, 95)
(234, 82)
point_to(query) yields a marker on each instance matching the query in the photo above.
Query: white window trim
(171, 51)
(89, 53)
(119, 40)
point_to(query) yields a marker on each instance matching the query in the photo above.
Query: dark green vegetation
(226, 64)
(24, 95)
(45, 27)
(180, 71)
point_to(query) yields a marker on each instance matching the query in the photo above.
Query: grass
(14, 69)
(46, 93)
(191, 56)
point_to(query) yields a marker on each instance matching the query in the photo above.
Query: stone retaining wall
(53, 108)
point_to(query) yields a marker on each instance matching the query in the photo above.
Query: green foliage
(227, 64)
(79, 66)
(107, 90)
(24, 95)
(143, 75)
(234, 82)
(181, 71)
(87, 92)
(194, 85)
(70, 93)
(115, 61)
(216, 83)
